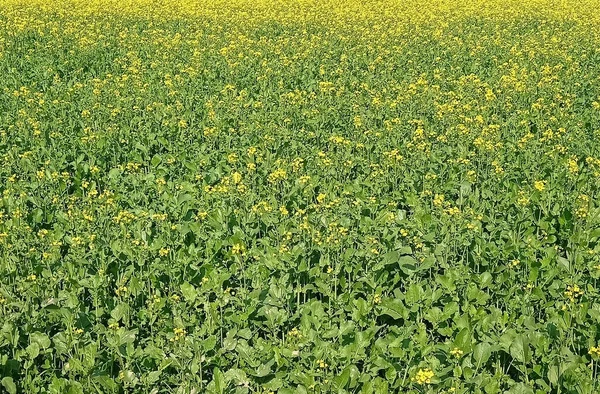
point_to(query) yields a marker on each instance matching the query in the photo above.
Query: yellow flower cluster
(456, 352)
(583, 204)
(294, 333)
(277, 175)
(573, 292)
(238, 249)
(539, 185)
(423, 376)
(179, 334)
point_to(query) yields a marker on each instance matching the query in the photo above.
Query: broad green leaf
(219, 381)
(189, 292)
(9, 385)
(41, 339)
(519, 349)
(563, 262)
(481, 353)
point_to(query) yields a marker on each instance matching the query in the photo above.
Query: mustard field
(299, 196)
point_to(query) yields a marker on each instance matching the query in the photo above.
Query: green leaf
(105, 381)
(114, 173)
(245, 333)
(519, 349)
(520, 388)
(127, 336)
(41, 339)
(155, 160)
(482, 353)
(189, 292)
(153, 376)
(394, 308)
(408, 264)
(209, 343)
(486, 279)
(33, 350)
(219, 381)
(183, 198)
(120, 311)
(264, 370)
(553, 375)
(405, 250)
(342, 379)
(9, 385)
(463, 340)
(391, 257)
(235, 375)
(563, 262)
(413, 294)
(37, 215)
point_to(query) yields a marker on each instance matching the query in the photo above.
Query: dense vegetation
(277, 196)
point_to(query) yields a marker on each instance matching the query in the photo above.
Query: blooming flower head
(456, 352)
(424, 376)
(539, 185)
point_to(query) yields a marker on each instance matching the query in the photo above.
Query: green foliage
(292, 197)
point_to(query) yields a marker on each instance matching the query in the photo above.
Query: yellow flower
(164, 251)
(294, 332)
(523, 199)
(594, 351)
(438, 200)
(453, 211)
(539, 185)
(424, 376)
(277, 175)
(456, 352)
(321, 198)
(573, 167)
(573, 292)
(238, 249)
(121, 290)
(582, 210)
(179, 334)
